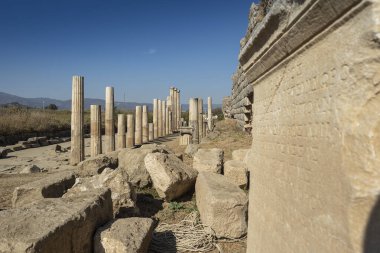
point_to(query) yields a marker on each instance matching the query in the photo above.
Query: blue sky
(140, 47)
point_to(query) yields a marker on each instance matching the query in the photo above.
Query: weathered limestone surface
(77, 120)
(121, 138)
(193, 119)
(132, 162)
(159, 118)
(122, 192)
(222, 205)
(95, 165)
(155, 118)
(210, 160)
(185, 140)
(130, 131)
(96, 133)
(171, 177)
(236, 172)
(53, 186)
(239, 154)
(151, 134)
(59, 225)
(313, 70)
(200, 119)
(109, 121)
(138, 126)
(130, 235)
(145, 126)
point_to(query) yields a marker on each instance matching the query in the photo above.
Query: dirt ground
(225, 136)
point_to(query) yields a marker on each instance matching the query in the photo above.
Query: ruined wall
(314, 69)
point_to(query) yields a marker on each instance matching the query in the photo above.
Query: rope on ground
(189, 235)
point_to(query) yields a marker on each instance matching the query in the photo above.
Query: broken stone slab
(129, 235)
(95, 165)
(30, 169)
(171, 177)
(53, 186)
(59, 225)
(132, 162)
(237, 172)
(222, 205)
(191, 149)
(123, 194)
(209, 160)
(239, 154)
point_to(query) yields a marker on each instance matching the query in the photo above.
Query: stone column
(167, 120)
(171, 95)
(204, 127)
(138, 126)
(209, 113)
(145, 127)
(155, 118)
(120, 131)
(178, 108)
(151, 132)
(109, 121)
(174, 112)
(193, 119)
(200, 118)
(96, 130)
(130, 131)
(159, 121)
(77, 132)
(170, 122)
(163, 113)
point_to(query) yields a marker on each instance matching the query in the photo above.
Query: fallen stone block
(123, 194)
(171, 177)
(222, 205)
(95, 165)
(132, 162)
(53, 186)
(60, 225)
(237, 172)
(30, 169)
(239, 154)
(209, 160)
(130, 235)
(191, 149)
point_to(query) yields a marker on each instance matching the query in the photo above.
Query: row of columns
(166, 119)
(197, 120)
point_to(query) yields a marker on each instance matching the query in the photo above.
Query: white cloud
(151, 51)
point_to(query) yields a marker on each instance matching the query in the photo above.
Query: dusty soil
(226, 136)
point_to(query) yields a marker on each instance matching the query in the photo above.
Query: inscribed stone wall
(314, 69)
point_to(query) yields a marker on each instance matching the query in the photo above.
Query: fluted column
(110, 121)
(151, 138)
(166, 120)
(170, 122)
(130, 131)
(171, 95)
(96, 130)
(175, 109)
(209, 113)
(200, 118)
(159, 121)
(121, 131)
(163, 114)
(193, 119)
(145, 127)
(178, 108)
(155, 118)
(138, 126)
(77, 134)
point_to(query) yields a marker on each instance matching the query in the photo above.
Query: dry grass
(227, 136)
(15, 121)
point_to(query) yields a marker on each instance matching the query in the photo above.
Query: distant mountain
(6, 98)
